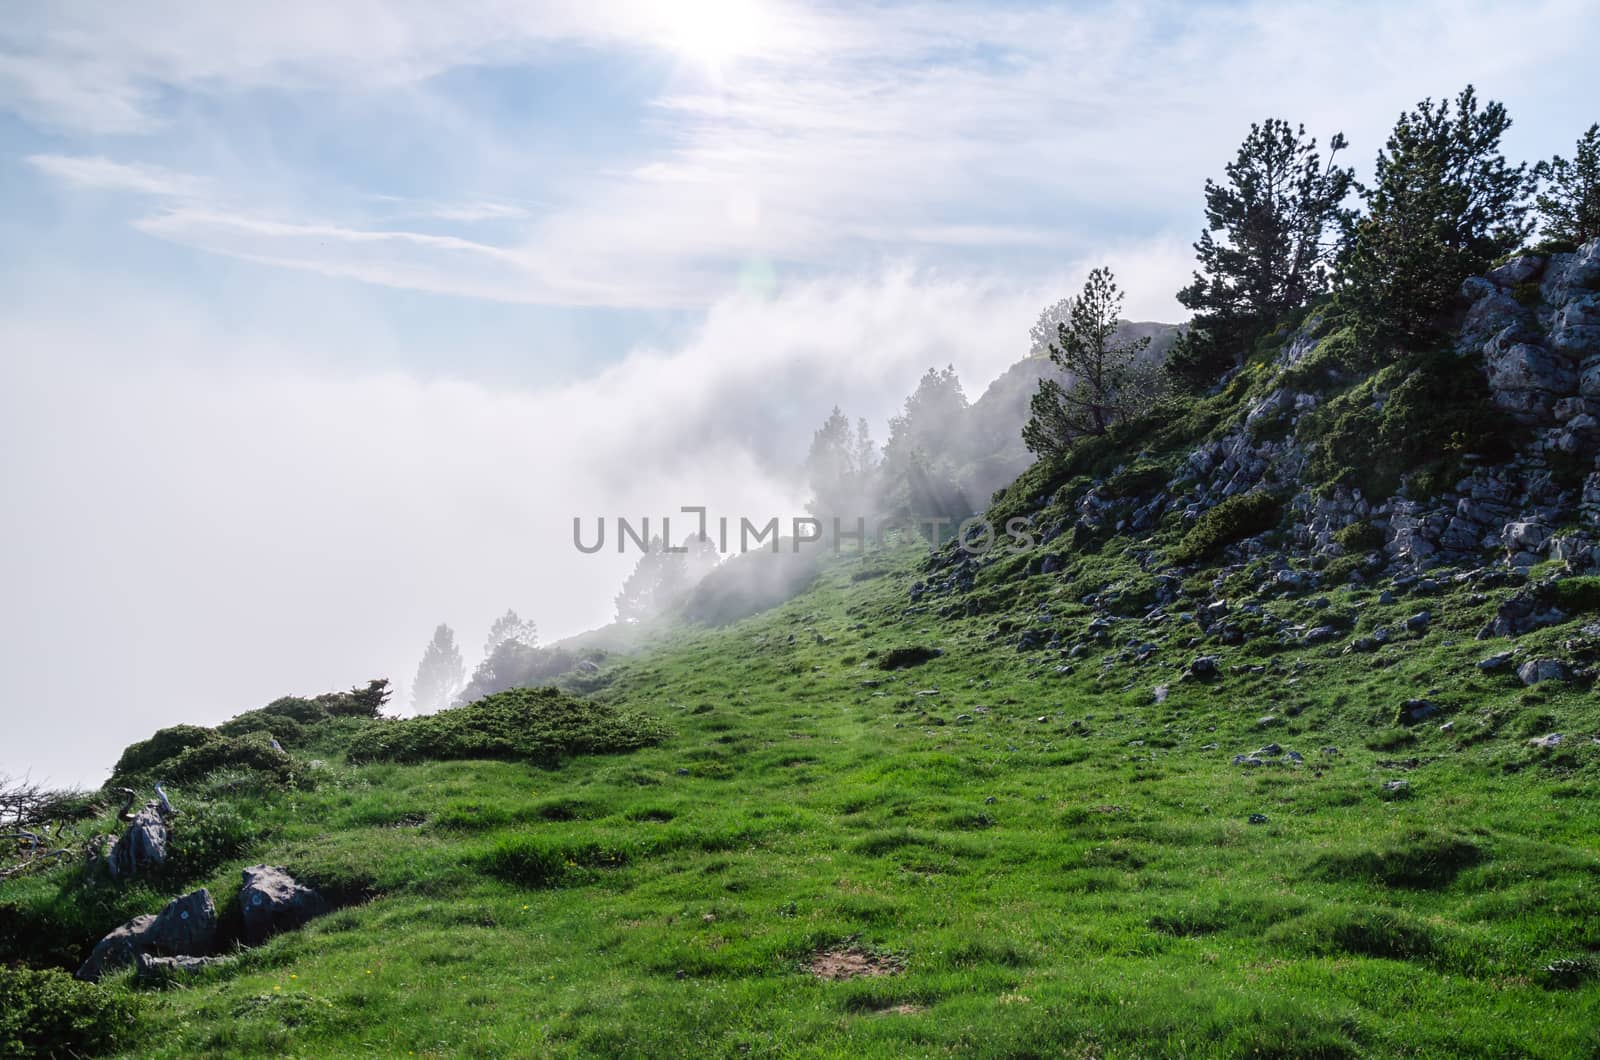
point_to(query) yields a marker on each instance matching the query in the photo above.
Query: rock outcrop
(187, 927)
(273, 901)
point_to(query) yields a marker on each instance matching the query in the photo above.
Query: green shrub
(1138, 480)
(1576, 595)
(1233, 520)
(1333, 357)
(358, 702)
(540, 725)
(281, 727)
(49, 1013)
(1360, 537)
(253, 751)
(203, 838)
(166, 744)
(1526, 293)
(1418, 417)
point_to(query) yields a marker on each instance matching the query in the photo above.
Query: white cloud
(107, 175)
(843, 133)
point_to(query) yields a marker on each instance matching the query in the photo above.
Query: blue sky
(324, 320)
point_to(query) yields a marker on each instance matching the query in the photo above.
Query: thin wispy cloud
(105, 175)
(789, 138)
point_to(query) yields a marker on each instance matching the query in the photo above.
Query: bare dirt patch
(837, 964)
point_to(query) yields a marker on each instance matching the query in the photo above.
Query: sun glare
(715, 33)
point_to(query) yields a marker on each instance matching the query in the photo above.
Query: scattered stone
(1419, 621)
(1537, 671)
(1396, 786)
(1204, 666)
(1546, 742)
(1319, 634)
(1495, 663)
(1161, 693)
(1268, 722)
(152, 969)
(1258, 818)
(1415, 710)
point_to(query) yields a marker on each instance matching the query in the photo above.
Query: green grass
(1059, 864)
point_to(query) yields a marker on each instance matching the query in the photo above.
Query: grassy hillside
(1031, 851)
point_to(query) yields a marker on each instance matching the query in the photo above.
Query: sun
(716, 33)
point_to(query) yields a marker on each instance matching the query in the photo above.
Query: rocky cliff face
(1535, 324)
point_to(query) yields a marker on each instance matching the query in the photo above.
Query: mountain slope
(1235, 761)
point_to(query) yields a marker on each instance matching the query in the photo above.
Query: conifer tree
(1278, 216)
(1569, 205)
(439, 675)
(1104, 381)
(1444, 206)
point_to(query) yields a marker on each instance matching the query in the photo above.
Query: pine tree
(1104, 381)
(509, 627)
(439, 675)
(659, 579)
(918, 479)
(1445, 205)
(1275, 214)
(1569, 207)
(841, 467)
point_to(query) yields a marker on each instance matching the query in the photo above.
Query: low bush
(1360, 537)
(254, 751)
(1576, 595)
(49, 1013)
(165, 745)
(540, 725)
(1233, 520)
(905, 658)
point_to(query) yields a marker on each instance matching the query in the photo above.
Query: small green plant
(49, 1013)
(1359, 537)
(1233, 520)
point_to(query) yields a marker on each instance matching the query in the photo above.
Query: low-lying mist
(187, 544)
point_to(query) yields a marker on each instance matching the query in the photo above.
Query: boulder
(1520, 269)
(187, 927)
(142, 846)
(1537, 671)
(273, 901)
(117, 950)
